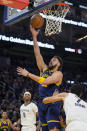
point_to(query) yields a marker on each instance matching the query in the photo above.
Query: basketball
(37, 21)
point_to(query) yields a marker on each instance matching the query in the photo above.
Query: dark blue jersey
(48, 90)
(4, 125)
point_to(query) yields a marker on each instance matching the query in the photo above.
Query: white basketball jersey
(28, 114)
(75, 108)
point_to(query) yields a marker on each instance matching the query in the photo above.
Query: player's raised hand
(22, 71)
(33, 31)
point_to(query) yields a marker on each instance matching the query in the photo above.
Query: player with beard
(49, 81)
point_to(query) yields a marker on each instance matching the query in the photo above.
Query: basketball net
(54, 17)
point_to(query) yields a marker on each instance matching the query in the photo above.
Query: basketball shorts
(49, 115)
(29, 128)
(76, 126)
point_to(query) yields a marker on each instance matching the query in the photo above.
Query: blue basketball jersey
(47, 90)
(4, 125)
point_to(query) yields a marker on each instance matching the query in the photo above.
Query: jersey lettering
(78, 103)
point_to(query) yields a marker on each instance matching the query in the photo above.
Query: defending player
(49, 81)
(74, 107)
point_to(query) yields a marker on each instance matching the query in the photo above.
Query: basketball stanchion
(18, 4)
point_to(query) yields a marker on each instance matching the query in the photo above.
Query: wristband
(41, 80)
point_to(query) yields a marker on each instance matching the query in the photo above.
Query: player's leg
(53, 117)
(42, 114)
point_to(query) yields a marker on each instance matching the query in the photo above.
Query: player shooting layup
(49, 81)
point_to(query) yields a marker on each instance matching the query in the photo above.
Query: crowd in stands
(12, 86)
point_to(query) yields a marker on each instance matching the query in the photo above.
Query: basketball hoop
(54, 17)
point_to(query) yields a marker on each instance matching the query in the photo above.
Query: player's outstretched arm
(56, 77)
(39, 59)
(18, 122)
(13, 127)
(58, 97)
(25, 73)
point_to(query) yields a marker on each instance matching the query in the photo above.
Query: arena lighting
(80, 6)
(78, 40)
(83, 7)
(72, 82)
(26, 41)
(69, 3)
(84, 83)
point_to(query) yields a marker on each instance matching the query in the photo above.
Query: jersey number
(24, 114)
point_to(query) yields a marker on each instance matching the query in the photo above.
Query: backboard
(12, 15)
